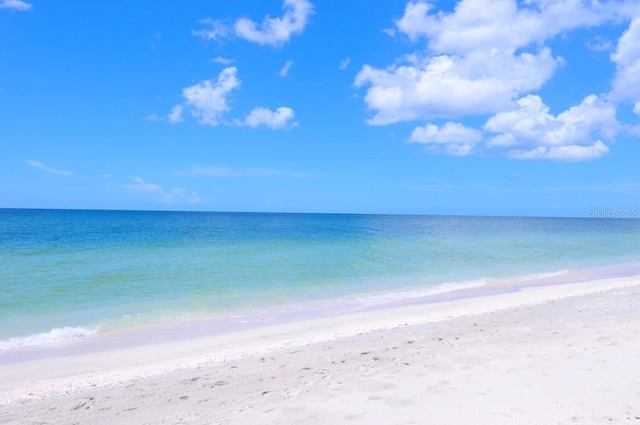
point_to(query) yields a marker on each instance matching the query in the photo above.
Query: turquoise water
(67, 274)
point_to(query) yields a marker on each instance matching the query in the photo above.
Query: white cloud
(223, 61)
(452, 138)
(530, 132)
(449, 86)
(277, 30)
(627, 51)
(175, 115)
(280, 118)
(207, 100)
(481, 57)
(285, 69)
(15, 5)
(41, 166)
(172, 196)
(344, 63)
(498, 24)
(273, 31)
(636, 108)
(415, 20)
(626, 85)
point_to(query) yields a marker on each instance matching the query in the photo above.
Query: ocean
(70, 275)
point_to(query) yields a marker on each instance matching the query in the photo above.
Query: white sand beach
(555, 354)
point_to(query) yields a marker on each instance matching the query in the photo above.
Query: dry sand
(542, 355)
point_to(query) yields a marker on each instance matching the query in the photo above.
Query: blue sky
(488, 107)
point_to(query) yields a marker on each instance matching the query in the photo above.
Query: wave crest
(54, 336)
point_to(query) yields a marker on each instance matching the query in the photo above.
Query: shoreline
(67, 370)
(545, 354)
(85, 339)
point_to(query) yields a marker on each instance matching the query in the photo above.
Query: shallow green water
(66, 274)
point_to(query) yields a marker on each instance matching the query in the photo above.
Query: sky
(470, 107)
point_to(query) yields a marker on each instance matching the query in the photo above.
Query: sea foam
(418, 292)
(54, 336)
(540, 276)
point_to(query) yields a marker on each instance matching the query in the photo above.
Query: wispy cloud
(436, 187)
(285, 69)
(217, 28)
(153, 117)
(223, 61)
(625, 188)
(15, 5)
(172, 196)
(222, 171)
(41, 166)
(599, 44)
(344, 63)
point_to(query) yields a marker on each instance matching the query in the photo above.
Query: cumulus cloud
(275, 31)
(285, 69)
(480, 57)
(626, 84)
(272, 31)
(531, 132)
(172, 196)
(41, 166)
(488, 57)
(280, 118)
(452, 138)
(636, 108)
(207, 100)
(498, 24)
(450, 86)
(15, 5)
